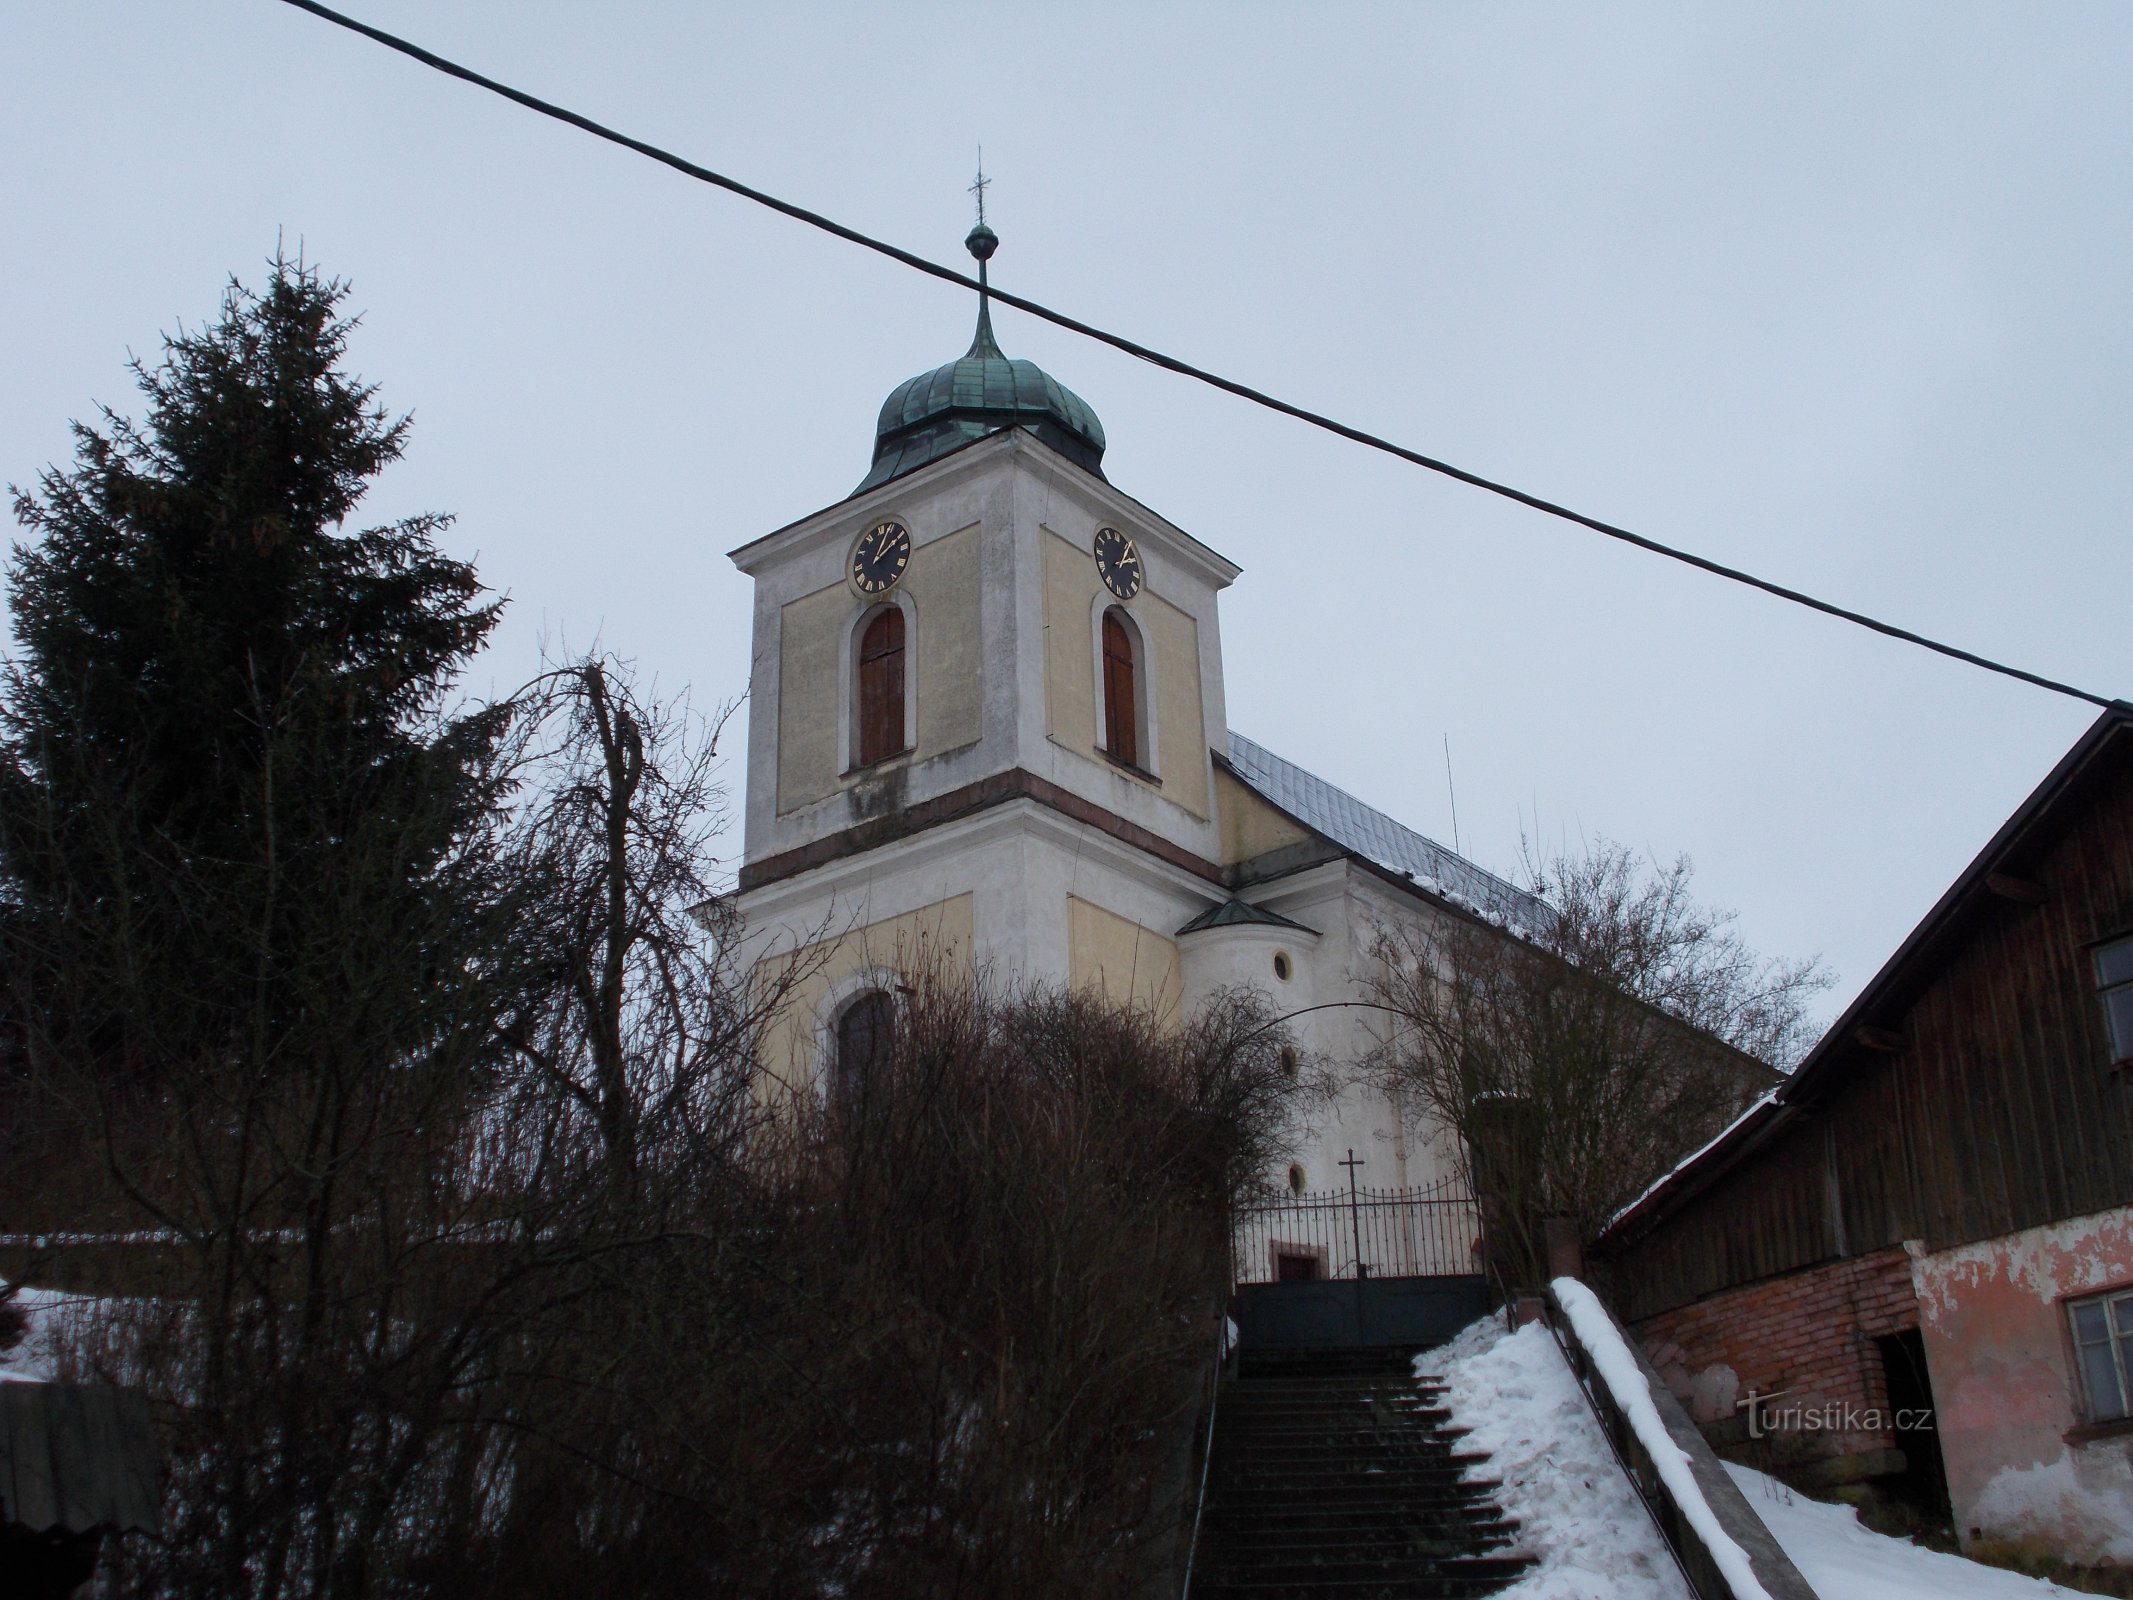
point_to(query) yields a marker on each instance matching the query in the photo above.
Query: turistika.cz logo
(1766, 1417)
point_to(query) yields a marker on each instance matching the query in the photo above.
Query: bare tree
(1578, 1062)
(642, 1016)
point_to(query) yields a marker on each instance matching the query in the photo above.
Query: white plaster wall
(1344, 904)
(1020, 861)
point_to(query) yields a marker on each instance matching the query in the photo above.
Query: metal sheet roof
(1236, 913)
(1371, 834)
(77, 1457)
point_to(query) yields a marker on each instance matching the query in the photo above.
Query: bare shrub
(1577, 1065)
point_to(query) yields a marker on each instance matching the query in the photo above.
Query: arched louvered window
(1122, 731)
(881, 686)
(866, 1032)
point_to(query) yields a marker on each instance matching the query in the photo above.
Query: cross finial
(981, 244)
(979, 187)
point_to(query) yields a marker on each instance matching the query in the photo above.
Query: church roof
(1235, 913)
(981, 393)
(1365, 831)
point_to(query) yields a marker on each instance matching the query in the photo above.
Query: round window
(1281, 965)
(1288, 1061)
(1296, 1179)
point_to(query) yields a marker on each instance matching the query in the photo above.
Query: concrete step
(1338, 1476)
(1455, 1584)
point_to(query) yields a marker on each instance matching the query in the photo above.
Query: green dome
(984, 393)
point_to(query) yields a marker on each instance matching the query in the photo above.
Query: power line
(1184, 368)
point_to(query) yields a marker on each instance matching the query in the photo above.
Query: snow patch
(1844, 1561)
(1579, 1518)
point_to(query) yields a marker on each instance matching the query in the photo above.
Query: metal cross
(981, 185)
(1355, 1226)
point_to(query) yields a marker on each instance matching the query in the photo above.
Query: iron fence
(1425, 1230)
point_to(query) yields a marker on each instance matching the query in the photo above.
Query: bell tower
(986, 692)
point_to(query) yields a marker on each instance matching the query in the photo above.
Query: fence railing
(1425, 1230)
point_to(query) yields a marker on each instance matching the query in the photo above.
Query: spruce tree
(222, 693)
(254, 942)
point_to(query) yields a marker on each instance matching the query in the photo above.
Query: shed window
(2103, 1349)
(1122, 734)
(881, 687)
(2114, 981)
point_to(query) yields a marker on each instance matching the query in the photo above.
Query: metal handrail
(1585, 1376)
(1207, 1447)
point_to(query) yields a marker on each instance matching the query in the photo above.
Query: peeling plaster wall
(2007, 1393)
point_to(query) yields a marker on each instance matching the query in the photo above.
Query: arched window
(1122, 731)
(866, 1032)
(881, 687)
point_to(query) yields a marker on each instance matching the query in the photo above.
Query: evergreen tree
(256, 937)
(207, 647)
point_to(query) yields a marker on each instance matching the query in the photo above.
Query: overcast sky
(1843, 295)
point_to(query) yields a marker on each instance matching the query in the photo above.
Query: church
(988, 730)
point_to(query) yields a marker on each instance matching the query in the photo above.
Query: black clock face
(1118, 562)
(880, 556)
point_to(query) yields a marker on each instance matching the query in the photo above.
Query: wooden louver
(881, 687)
(1121, 708)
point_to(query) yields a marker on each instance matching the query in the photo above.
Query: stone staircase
(1334, 1477)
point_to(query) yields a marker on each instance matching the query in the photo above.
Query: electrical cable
(1184, 368)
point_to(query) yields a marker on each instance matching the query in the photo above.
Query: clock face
(880, 556)
(1118, 563)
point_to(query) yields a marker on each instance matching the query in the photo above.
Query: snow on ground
(1589, 1534)
(1844, 1561)
(1580, 1520)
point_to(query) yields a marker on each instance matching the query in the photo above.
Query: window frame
(1146, 742)
(2116, 1309)
(884, 641)
(850, 712)
(2114, 996)
(846, 1098)
(1122, 675)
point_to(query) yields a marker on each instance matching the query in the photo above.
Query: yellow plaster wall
(810, 633)
(1128, 963)
(1249, 826)
(943, 581)
(1180, 729)
(1071, 585)
(934, 936)
(814, 629)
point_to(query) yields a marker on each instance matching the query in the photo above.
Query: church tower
(986, 698)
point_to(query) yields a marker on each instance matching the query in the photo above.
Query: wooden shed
(1924, 1223)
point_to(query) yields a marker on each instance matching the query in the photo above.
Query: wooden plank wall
(2000, 1111)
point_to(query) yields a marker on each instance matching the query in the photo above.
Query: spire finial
(982, 242)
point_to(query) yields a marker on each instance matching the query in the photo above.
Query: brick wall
(1808, 1338)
